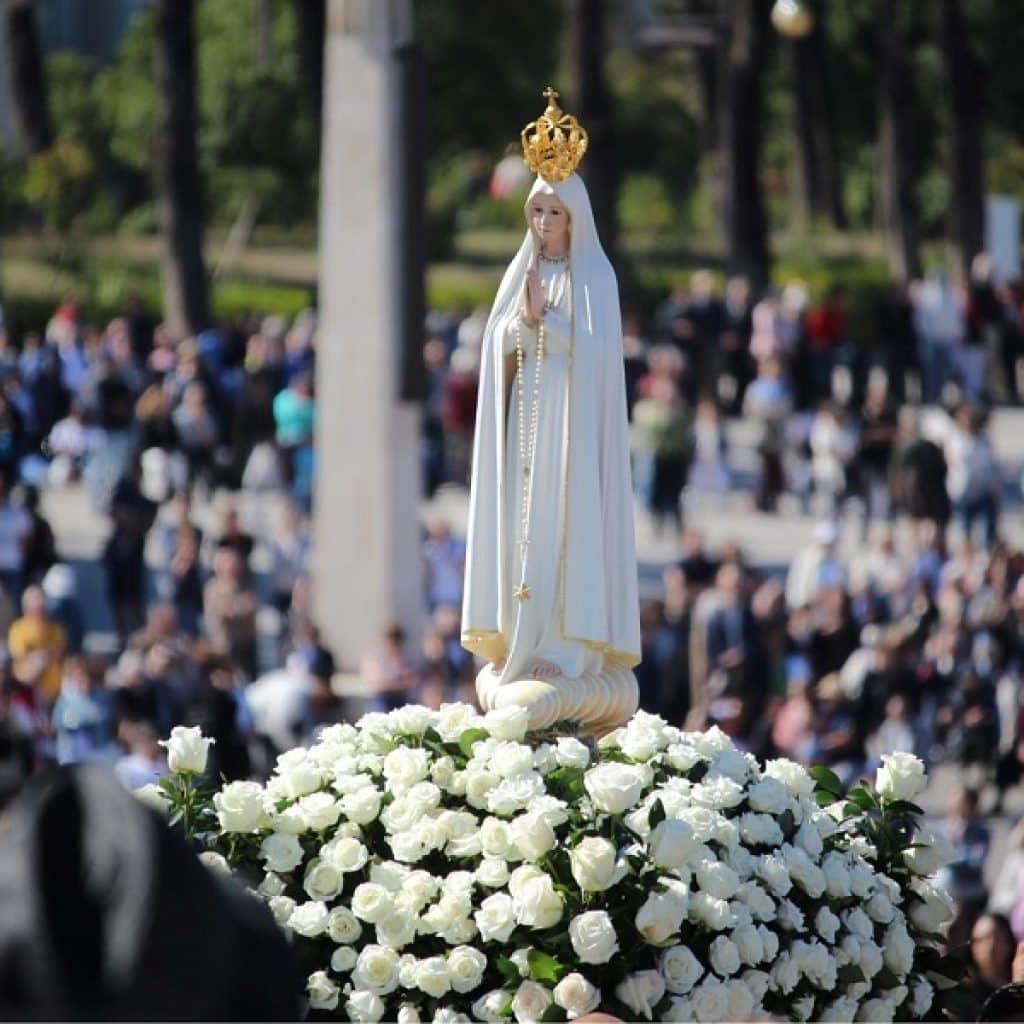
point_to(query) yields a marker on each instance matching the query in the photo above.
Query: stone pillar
(366, 560)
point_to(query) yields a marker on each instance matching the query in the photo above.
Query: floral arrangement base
(595, 702)
(446, 866)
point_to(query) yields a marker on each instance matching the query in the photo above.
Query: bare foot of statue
(545, 670)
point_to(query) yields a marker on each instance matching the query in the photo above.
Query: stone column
(366, 561)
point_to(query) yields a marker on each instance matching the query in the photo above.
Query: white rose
(837, 875)
(614, 787)
(319, 811)
(392, 875)
(702, 820)
(808, 839)
(490, 1007)
(792, 775)
(899, 950)
(346, 854)
(680, 969)
(290, 821)
(710, 1001)
(682, 756)
(858, 923)
(576, 995)
(240, 807)
(710, 911)
(362, 806)
(281, 852)
(496, 918)
(515, 794)
(923, 994)
(376, 970)
(282, 908)
(717, 879)
(530, 1002)
(593, 937)
(433, 976)
(826, 924)
(757, 983)
(398, 929)
(719, 793)
(879, 908)
(760, 830)
(371, 902)
(741, 1000)
(521, 958)
(641, 741)
(492, 872)
(413, 719)
(929, 852)
(407, 1014)
(187, 750)
(323, 881)
(364, 1007)
(731, 764)
(532, 835)
(509, 759)
(343, 959)
(871, 958)
(593, 864)
(467, 966)
(661, 916)
(154, 797)
(760, 904)
(309, 919)
(271, 886)
(537, 904)
(454, 719)
(571, 753)
(876, 1009)
(901, 777)
(840, 1011)
(298, 773)
(508, 723)
(671, 843)
(405, 766)
(772, 870)
(323, 993)
(724, 956)
(641, 991)
(749, 945)
(215, 862)
(785, 974)
(343, 926)
(768, 796)
(791, 917)
(803, 870)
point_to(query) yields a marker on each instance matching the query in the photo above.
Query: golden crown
(554, 144)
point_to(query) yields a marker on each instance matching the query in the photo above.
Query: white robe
(533, 625)
(581, 559)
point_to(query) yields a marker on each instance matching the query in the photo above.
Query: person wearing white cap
(816, 567)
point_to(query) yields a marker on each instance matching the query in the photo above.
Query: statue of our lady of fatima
(551, 573)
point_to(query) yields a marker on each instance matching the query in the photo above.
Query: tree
(820, 174)
(186, 290)
(967, 81)
(593, 102)
(740, 120)
(312, 23)
(895, 99)
(28, 76)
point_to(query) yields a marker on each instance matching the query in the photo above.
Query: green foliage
(646, 206)
(59, 183)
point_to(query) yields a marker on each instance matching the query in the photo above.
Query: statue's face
(549, 220)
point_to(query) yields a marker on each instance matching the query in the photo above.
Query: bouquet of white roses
(444, 866)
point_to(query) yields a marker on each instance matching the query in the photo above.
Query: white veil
(598, 483)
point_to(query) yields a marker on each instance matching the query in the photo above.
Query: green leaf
(826, 779)
(469, 737)
(823, 798)
(508, 970)
(657, 814)
(850, 974)
(553, 1012)
(545, 968)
